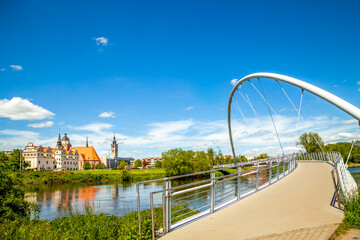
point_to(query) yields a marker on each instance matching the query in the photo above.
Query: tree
(158, 164)
(242, 158)
(122, 164)
(13, 161)
(211, 154)
(87, 165)
(177, 161)
(100, 166)
(137, 163)
(219, 158)
(200, 162)
(312, 142)
(12, 201)
(262, 156)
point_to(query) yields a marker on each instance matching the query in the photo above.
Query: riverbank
(91, 225)
(88, 176)
(354, 165)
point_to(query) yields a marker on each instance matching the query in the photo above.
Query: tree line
(312, 142)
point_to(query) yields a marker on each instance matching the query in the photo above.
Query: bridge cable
(237, 106)
(271, 117)
(302, 117)
(352, 145)
(262, 96)
(249, 102)
(298, 118)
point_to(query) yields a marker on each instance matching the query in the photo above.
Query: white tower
(114, 149)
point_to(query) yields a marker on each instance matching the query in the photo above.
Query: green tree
(200, 162)
(122, 164)
(158, 164)
(100, 166)
(311, 142)
(12, 201)
(13, 161)
(211, 154)
(87, 165)
(262, 156)
(137, 163)
(219, 158)
(177, 161)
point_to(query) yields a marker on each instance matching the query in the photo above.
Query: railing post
(238, 193)
(270, 172)
(257, 176)
(278, 169)
(167, 207)
(284, 168)
(212, 192)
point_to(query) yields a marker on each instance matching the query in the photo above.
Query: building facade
(63, 157)
(114, 149)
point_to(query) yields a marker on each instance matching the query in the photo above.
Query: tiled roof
(87, 153)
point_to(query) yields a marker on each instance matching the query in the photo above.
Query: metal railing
(209, 193)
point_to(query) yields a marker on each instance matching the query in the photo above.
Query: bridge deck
(300, 200)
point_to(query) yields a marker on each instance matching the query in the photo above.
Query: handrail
(262, 177)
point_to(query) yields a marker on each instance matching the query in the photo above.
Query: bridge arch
(329, 97)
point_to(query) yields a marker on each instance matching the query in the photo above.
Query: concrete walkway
(299, 201)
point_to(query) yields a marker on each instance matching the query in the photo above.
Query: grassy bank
(88, 176)
(49, 177)
(352, 215)
(90, 225)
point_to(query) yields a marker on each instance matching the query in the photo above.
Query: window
(46, 162)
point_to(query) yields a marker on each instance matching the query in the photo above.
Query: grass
(49, 177)
(352, 214)
(91, 225)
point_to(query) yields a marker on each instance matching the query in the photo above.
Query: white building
(41, 158)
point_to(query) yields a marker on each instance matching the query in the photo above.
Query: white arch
(331, 98)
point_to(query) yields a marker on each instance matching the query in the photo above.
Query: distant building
(250, 157)
(8, 152)
(103, 159)
(114, 149)
(64, 156)
(152, 160)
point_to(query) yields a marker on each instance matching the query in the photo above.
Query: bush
(352, 212)
(126, 175)
(12, 201)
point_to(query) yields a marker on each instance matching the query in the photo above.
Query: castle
(63, 157)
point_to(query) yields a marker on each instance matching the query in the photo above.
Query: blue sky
(161, 70)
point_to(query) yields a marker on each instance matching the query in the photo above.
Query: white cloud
(358, 82)
(107, 115)
(234, 81)
(2, 69)
(16, 67)
(349, 121)
(93, 127)
(101, 41)
(41, 124)
(189, 108)
(22, 109)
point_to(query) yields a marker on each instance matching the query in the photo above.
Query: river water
(116, 198)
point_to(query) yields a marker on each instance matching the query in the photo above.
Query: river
(117, 198)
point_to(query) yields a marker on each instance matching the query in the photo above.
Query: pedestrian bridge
(300, 200)
(289, 195)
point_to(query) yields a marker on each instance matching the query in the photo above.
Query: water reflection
(119, 198)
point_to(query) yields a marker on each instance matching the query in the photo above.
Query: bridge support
(257, 177)
(167, 207)
(270, 172)
(238, 185)
(212, 193)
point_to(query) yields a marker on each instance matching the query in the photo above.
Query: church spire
(58, 145)
(87, 143)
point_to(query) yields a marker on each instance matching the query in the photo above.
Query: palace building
(63, 157)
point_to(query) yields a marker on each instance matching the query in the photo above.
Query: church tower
(65, 142)
(114, 149)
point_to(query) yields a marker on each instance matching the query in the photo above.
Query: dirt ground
(349, 235)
